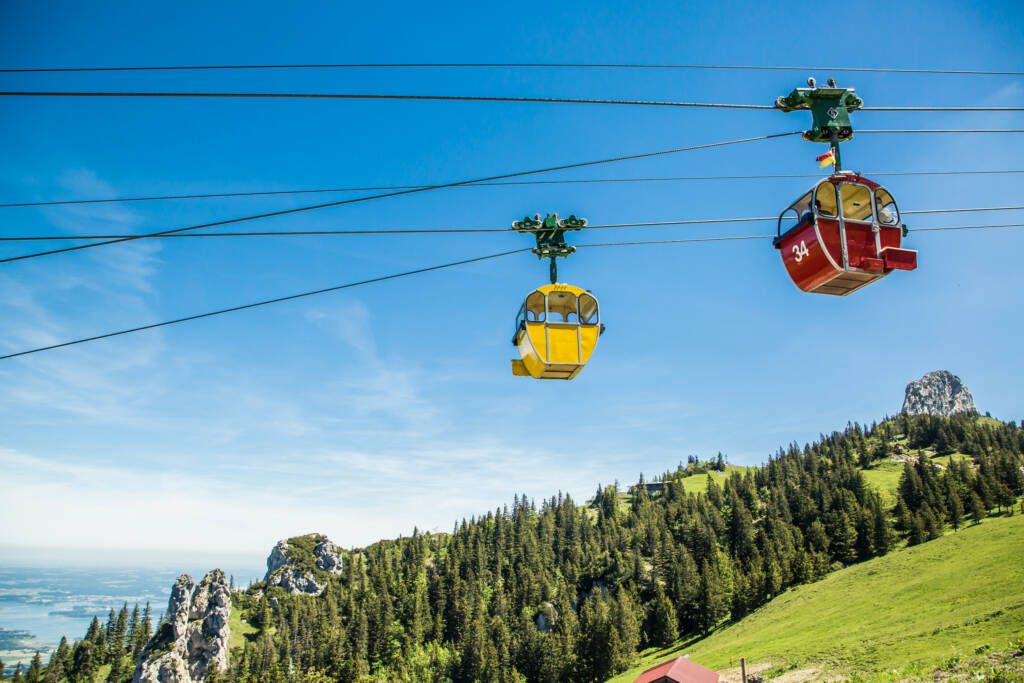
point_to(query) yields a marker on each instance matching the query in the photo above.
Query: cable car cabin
(844, 233)
(556, 331)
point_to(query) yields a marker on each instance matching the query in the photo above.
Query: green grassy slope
(911, 610)
(884, 475)
(698, 483)
(241, 630)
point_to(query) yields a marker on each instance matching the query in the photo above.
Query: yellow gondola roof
(561, 287)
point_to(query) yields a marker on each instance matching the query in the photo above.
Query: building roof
(680, 670)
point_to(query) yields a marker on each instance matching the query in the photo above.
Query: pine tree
(627, 624)
(1005, 498)
(954, 508)
(881, 531)
(664, 623)
(932, 525)
(142, 633)
(918, 531)
(714, 602)
(944, 441)
(133, 625)
(120, 670)
(59, 666)
(685, 588)
(35, 669)
(978, 512)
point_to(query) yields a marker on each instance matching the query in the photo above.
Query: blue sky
(363, 413)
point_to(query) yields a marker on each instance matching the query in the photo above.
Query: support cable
(265, 302)
(459, 98)
(398, 193)
(448, 231)
(730, 238)
(512, 65)
(378, 231)
(968, 227)
(378, 96)
(383, 278)
(580, 181)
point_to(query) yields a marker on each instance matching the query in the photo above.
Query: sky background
(364, 413)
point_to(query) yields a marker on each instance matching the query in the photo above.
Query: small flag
(827, 159)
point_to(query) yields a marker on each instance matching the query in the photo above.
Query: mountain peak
(300, 564)
(938, 393)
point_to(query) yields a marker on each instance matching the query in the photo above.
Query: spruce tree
(35, 669)
(627, 624)
(918, 530)
(713, 601)
(978, 512)
(664, 623)
(954, 509)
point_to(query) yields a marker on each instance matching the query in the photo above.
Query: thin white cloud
(350, 322)
(350, 496)
(48, 302)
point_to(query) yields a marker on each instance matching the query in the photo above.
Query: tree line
(111, 648)
(562, 591)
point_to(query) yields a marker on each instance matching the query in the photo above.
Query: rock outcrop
(195, 635)
(938, 393)
(303, 564)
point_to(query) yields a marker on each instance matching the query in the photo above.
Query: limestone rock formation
(303, 564)
(195, 635)
(938, 393)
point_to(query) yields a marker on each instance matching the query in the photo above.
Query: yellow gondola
(556, 332)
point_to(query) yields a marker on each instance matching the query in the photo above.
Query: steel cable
(398, 193)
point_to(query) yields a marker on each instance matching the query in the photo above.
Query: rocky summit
(303, 564)
(938, 393)
(195, 635)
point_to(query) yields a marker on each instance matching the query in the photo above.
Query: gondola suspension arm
(550, 234)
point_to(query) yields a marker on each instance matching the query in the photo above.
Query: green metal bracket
(830, 110)
(550, 233)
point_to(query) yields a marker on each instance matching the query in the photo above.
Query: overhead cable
(970, 210)
(968, 227)
(383, 278)
(375, 188)
(398, 193)
(373, 231)
(513, 65)
(679, 241)
(429, 231)
(264, 302)
(461, 98)
(730, 238)
(378, 96)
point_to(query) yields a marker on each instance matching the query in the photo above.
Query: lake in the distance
(39, 605)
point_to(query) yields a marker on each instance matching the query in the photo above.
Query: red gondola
(844, 233)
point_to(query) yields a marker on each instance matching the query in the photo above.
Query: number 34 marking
(800, 250)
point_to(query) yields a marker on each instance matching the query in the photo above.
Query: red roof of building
(680, 670)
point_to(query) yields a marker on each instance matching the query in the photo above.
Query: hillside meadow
(895, 617)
